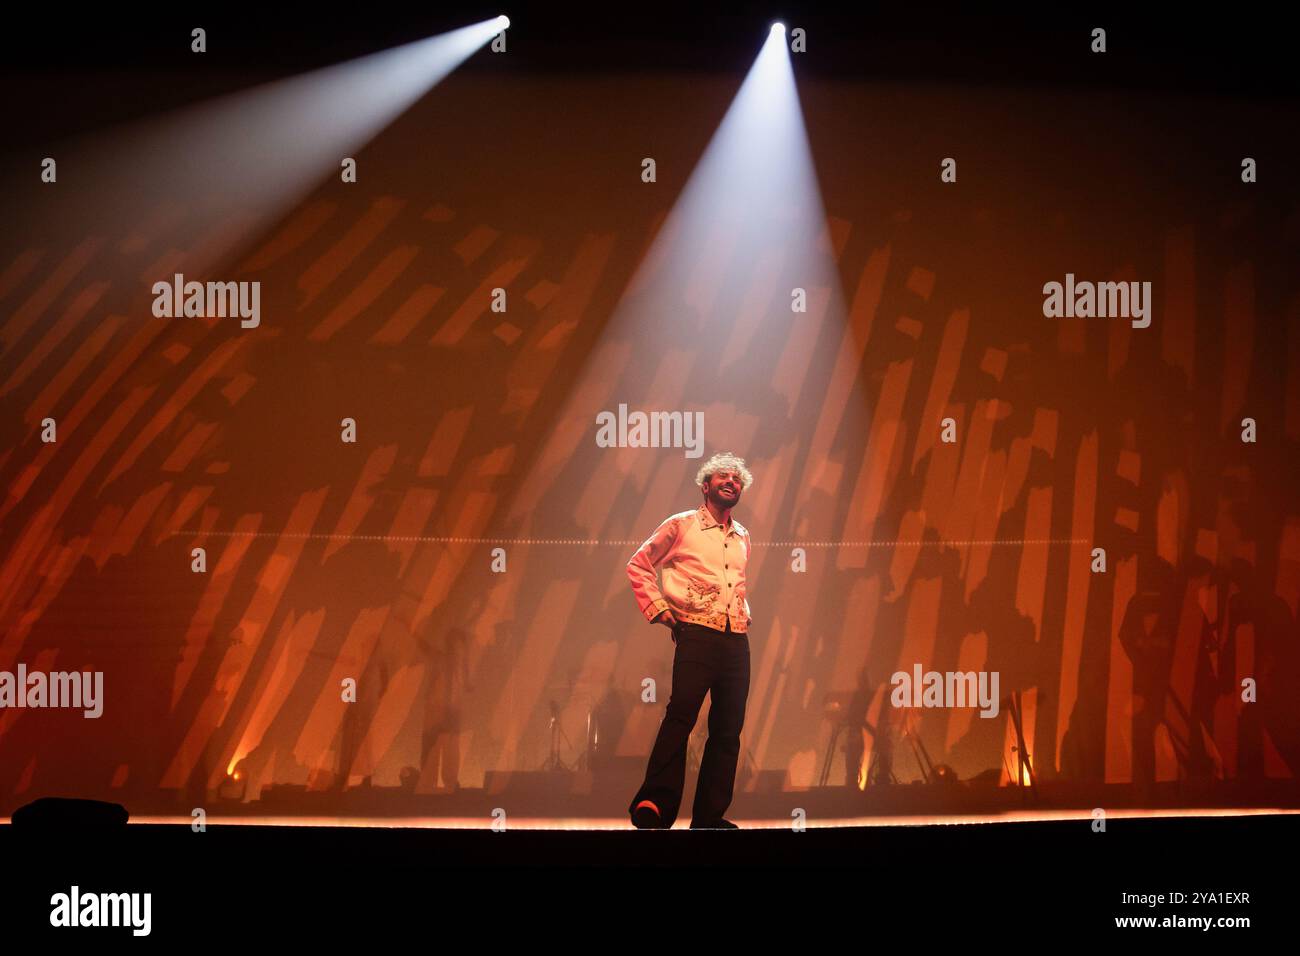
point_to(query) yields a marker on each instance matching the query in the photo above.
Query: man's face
(723, 488)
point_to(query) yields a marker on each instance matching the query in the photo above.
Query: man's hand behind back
(666, 618)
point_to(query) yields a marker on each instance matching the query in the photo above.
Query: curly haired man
(701, 557)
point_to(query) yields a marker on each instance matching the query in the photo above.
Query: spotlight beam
(256, 152)
(711, 301)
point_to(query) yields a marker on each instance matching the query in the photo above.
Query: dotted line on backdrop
(588, 541)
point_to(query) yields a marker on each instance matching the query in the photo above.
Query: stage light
(233, 785)
(746, 256)
(503, 21)
(254, 153)
(944, 775)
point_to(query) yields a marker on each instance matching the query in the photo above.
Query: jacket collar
(708, 521)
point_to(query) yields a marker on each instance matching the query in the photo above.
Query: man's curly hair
(720, 461)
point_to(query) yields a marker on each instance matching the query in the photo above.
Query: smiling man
(702, 556)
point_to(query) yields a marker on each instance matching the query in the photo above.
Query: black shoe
(715, 825)
(646, 816)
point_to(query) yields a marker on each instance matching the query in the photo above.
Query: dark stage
(974, 884)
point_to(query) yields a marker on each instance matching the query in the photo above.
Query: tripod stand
(847, 728)
(554, 761)
(918, 748)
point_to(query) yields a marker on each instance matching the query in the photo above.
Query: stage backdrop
(936, 460)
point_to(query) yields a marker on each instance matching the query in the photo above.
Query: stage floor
(622, 823)
(1055, 872)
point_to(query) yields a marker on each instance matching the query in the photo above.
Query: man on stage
(702, 555)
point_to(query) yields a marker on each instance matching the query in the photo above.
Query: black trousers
(711, 662)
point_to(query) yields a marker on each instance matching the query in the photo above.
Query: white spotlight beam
(712, 294)
(755, 181)
(259, 150)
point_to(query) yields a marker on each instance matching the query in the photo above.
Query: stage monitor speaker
(59, 812)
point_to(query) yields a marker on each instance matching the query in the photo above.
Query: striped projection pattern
(475, 430)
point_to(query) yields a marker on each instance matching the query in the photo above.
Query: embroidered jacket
(703, 570)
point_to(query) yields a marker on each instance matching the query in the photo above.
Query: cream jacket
(703, 570)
